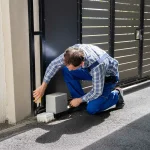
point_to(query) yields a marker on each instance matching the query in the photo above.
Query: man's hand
(76, 102)
(39, 92)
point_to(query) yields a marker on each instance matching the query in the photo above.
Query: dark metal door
(60, 33)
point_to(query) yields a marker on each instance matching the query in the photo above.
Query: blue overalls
(106, 100)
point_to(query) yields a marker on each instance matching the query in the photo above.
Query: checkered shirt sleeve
(53, 67)
(98, 78)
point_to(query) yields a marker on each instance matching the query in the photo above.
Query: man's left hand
(76, 102)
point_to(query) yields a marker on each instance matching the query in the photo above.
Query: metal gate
(127, 48)
(117, 26)
(112, 25)
(120, 27)
(146, 44)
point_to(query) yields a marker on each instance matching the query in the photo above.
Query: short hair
(73, 56)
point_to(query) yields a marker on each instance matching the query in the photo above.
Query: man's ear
(82, 63)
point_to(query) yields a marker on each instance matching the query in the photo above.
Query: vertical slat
(42, 36)
(141, 40)
(32, 52)
(112, 28)
(146, 50)
(42, 43)
(79, 21)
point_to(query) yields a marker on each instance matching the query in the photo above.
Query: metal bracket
(138, 34)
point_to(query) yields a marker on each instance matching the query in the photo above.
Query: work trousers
(108, 98)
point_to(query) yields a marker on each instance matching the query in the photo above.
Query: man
(87, 62)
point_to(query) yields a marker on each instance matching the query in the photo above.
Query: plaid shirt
(91, 53)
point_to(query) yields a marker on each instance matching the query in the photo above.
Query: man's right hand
(39, 92)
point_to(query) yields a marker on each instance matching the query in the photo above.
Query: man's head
(73, 58)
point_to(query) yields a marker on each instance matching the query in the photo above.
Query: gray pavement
(126, 129)
(5, 126)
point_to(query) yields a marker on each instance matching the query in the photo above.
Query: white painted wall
(20, 56)
(15, 105)
(15, 100)
(2, 73)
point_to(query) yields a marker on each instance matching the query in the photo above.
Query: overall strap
(100, 60)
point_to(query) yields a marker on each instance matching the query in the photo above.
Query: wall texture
(15, 105)
(2, 73)
(20, 56)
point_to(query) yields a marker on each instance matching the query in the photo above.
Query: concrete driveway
(126, 129)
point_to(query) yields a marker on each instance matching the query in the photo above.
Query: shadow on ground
(77, 123)
(134, 136)
(71, 123)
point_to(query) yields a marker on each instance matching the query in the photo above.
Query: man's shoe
(120, 104)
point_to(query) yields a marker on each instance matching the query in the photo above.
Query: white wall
(20, 56)
(15, 93)
(14, 53)
(2, 73)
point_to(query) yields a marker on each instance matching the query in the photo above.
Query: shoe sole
(120, 107)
